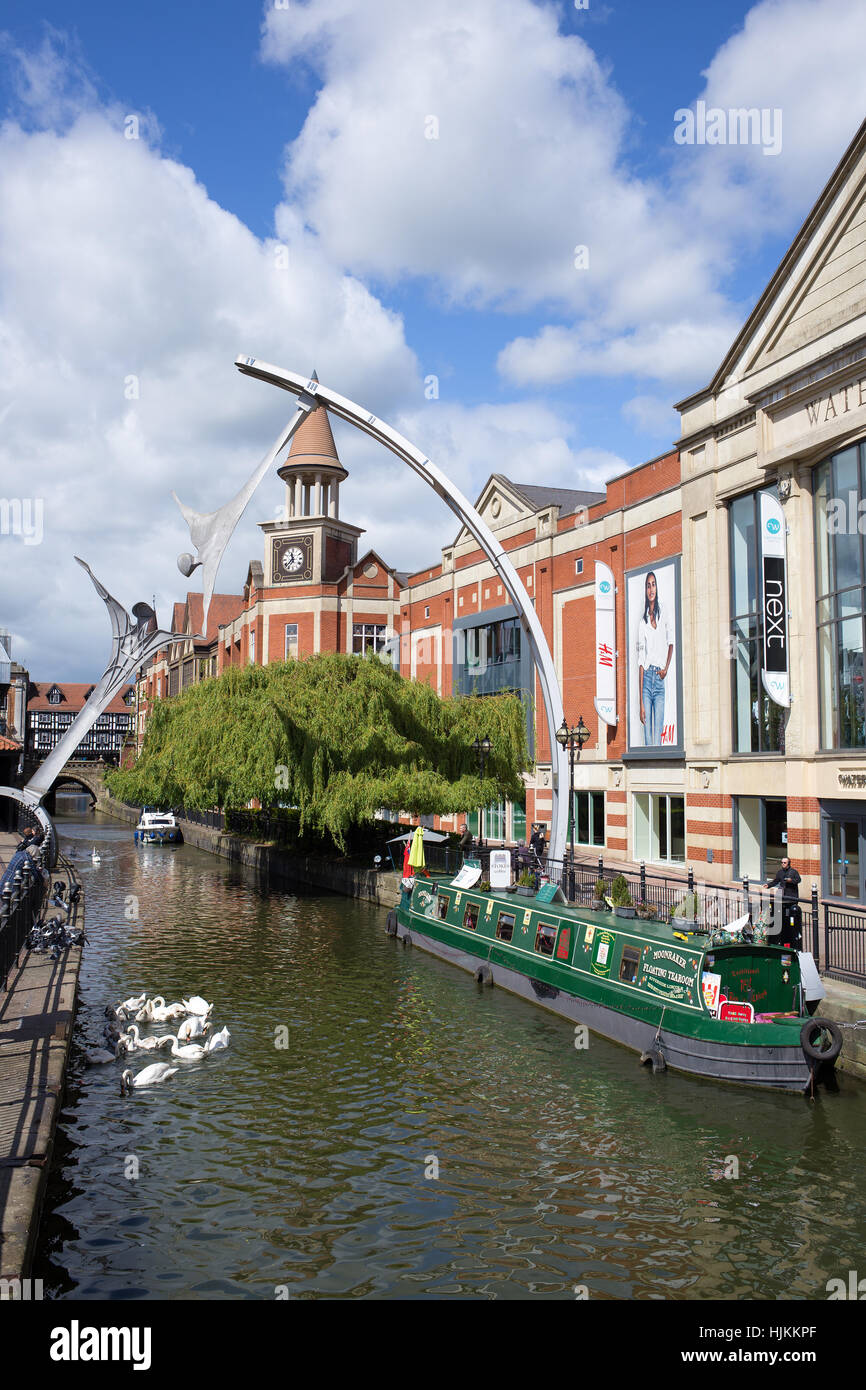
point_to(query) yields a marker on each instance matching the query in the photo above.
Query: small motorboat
(157, 828)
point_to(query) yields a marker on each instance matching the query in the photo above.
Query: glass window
(518, 821)
(505, 926)
(544, 938)
(367, 637)
(659, 828)
(589, 818)
(840, 581)
(470, 916)
(444, 904)
(629, 964)
(291, 652)
(758, 722)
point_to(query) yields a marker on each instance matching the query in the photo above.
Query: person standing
(465, 838)
(788, 880)
(655, 647)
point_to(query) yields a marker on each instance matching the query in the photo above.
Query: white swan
(95, 856)
(197, 1005)
(149, 1076)
(157, 1011)
(192, 1027)
(220, 1039)
(192, 1052)
(130, 1004)
(134, 1041)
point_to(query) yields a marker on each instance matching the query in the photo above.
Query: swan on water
(133, 1040)
(220, 1039)
(192, 1052)
(149, 1076)
(192, 1027)
(197, 1005)
(130, 1004)
(95, 856)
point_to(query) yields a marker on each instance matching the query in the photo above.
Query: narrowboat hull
(664, 1032)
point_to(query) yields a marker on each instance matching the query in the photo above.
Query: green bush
(619, 892)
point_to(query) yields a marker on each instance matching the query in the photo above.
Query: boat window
(470, 916)
(505, 926)
(444, 904)
(564, 946)
(544, 938)
(629, 964)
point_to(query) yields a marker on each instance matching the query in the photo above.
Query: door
(843, 859)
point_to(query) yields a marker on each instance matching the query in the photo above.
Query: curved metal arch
(469, 517)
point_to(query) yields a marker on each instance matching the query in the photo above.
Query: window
(470, 916)
(589, 818)
(505, 926)
(427, 611)
(444, 904)
(251, 653)
(758, 722)
(291, 649)
(840, 586)
(54, 696)
(544, 938)
(578, 565)
(629, 964)
(367, 637)
(659, 828)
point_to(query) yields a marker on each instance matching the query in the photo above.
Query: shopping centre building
(705, 612)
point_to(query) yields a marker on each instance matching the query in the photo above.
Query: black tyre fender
(807, 1033)
(406, 939)
(483, 975)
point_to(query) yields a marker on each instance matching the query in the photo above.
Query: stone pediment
(820, 285)
(499, 505)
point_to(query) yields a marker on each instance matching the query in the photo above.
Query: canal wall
(37, 1012)
(845, 1004)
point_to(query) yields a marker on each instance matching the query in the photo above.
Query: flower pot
(625, 911)
(524, 891)
(682, 923)
(599, 905)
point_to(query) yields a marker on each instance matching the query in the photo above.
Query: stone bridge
(86, 776)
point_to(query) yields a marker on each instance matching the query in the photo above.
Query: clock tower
(310, 545)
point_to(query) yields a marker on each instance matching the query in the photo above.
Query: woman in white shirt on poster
(655, 646)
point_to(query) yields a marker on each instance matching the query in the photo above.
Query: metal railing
(844, 943)
(24, 887)
(214, 820)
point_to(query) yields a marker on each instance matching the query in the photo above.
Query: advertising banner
(605, 644)
(774, 601)
(654, 661)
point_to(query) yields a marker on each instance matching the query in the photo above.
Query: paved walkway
(36, 1017)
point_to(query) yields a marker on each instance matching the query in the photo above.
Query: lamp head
(581, 732)
(562, 735)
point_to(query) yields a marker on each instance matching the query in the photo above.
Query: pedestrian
(788, 880)
(465, 838)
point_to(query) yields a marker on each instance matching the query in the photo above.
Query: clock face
(292, 559)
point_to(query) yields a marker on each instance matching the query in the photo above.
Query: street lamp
(571, 739)
(482, 752)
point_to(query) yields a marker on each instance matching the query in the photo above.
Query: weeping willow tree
(337, 737)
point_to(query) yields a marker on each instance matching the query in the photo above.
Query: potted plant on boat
(623, 905)
(684, 912)
(598, 901)
(646, 912)
(484, 886)
(526, 884)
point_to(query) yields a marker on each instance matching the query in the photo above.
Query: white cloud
(652, 416)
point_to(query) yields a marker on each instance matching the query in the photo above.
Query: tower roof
(312, 449)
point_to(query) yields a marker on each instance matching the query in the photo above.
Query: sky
(476, 219)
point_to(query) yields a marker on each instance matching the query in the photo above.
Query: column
(333, 505)
(299, 496)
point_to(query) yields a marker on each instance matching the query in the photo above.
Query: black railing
(845, 943)
(20, 903)
(214, 820)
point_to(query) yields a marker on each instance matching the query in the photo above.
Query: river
(416, 1137)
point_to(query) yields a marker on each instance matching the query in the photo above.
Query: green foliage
(619, 892)
(527, 879)
(336, 737)
(599, 888)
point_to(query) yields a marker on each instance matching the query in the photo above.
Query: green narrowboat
(736, 1011)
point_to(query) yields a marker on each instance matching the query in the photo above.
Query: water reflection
(305, 1166)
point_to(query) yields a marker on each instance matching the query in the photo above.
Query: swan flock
(123, 1036)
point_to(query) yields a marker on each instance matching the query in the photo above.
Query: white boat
(157, 828)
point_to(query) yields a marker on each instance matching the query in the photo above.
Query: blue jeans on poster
(653, 707)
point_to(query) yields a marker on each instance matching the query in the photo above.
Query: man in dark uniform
(788, 880)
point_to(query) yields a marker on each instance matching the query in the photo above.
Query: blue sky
(302, 127)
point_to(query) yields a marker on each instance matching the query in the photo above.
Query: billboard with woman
(654, 668)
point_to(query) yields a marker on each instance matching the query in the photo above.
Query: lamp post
(570, 739)
(481, 748)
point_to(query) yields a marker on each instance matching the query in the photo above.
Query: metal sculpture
(132, 642)
(210, 534)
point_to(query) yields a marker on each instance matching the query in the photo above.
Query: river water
(309, 1170)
